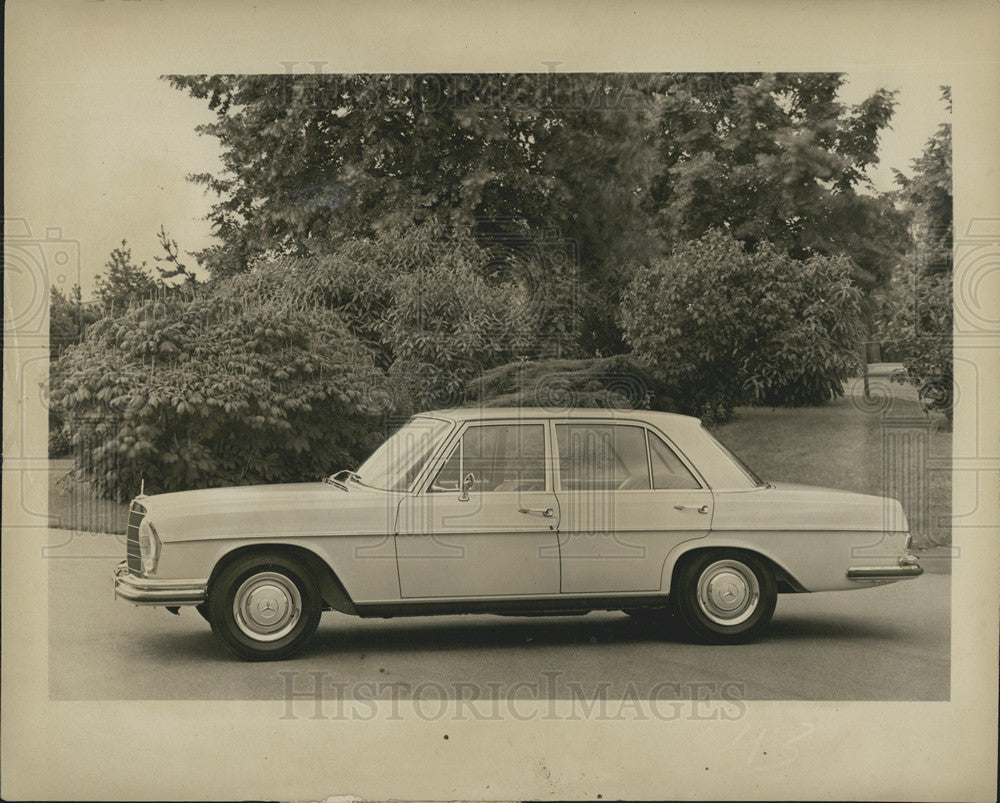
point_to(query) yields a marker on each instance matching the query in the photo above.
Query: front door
(486, 524)
(626, 500)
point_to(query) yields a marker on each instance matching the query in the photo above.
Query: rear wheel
(264, 606)
(725, 596)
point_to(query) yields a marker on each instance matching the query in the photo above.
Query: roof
(558, 413)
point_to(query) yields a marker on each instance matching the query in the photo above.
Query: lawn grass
(838, 445)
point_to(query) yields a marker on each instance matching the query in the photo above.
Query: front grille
(136, 514)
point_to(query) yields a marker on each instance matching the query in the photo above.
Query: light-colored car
(512, 511)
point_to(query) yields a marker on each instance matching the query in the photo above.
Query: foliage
(303, 353)
(60, 440)
(619, 381)
(123, 281)
(927, 198)
(916, 327)
(69, 317)
(436, 308)
(122, 284)
(775, 158)
(724, 326)
(245, 382)
(333, 157)
(169, 266)
(916, 310)
(620, 166)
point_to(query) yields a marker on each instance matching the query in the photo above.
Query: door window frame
(648, 430)
(456, 442)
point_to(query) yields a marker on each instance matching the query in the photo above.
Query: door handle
(547, 513)
(700, 509)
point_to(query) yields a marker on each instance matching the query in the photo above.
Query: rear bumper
(150, 591)
(906, 568)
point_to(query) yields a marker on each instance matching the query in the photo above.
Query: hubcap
(267, 606)
(728, 592)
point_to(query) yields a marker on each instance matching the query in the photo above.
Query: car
(512, 511)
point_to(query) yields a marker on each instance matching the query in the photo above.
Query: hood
(294, 509)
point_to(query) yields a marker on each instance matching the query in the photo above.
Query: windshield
(395, 464)
(732, 456)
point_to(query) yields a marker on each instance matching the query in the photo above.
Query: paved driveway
(886, 643)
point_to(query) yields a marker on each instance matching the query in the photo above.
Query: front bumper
(151, 591)
(906, 568)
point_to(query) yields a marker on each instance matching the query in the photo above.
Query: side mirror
(468, 483)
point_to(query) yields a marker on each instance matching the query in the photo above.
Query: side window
(602, 457)
(668, 471)
(500, 457)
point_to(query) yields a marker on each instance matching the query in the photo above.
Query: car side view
(515, 511)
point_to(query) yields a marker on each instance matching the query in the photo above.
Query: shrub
(438, 309)
(916, 326)
(620, 381)
(243, 381)
(723, 326)
(60, 442)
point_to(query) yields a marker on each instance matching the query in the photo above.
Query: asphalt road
(885, 643)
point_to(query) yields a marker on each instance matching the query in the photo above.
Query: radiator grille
(136, 514)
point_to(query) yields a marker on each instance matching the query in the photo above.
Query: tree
(123, 282)
(170, 266)
(622, 166)
(927, 198)
(775, 158)
(69, 317)
(279, 373)
(338, 156)
(435, 308)
(723, 326)
(916, 310)
(619, 381)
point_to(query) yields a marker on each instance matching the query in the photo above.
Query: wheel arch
(331, 590)
(786, 582)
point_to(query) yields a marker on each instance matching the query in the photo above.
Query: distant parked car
(512, 511)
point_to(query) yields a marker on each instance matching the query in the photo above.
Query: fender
(786, 580)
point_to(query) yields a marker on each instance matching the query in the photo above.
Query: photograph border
(225, 749)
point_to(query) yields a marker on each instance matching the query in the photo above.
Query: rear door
(626, 498)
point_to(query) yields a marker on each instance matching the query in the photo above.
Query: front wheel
(264, 606)
(725, 596)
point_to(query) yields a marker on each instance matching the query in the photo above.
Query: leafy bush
(68, 320)
(279, 374)
(437, 309)
(60, 441)
(243, 381)
(620, 381)
(723, 326)
(916, 314)
(916, 326)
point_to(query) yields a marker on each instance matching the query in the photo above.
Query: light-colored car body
(578, 522)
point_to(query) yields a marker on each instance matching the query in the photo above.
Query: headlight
(149, 547)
